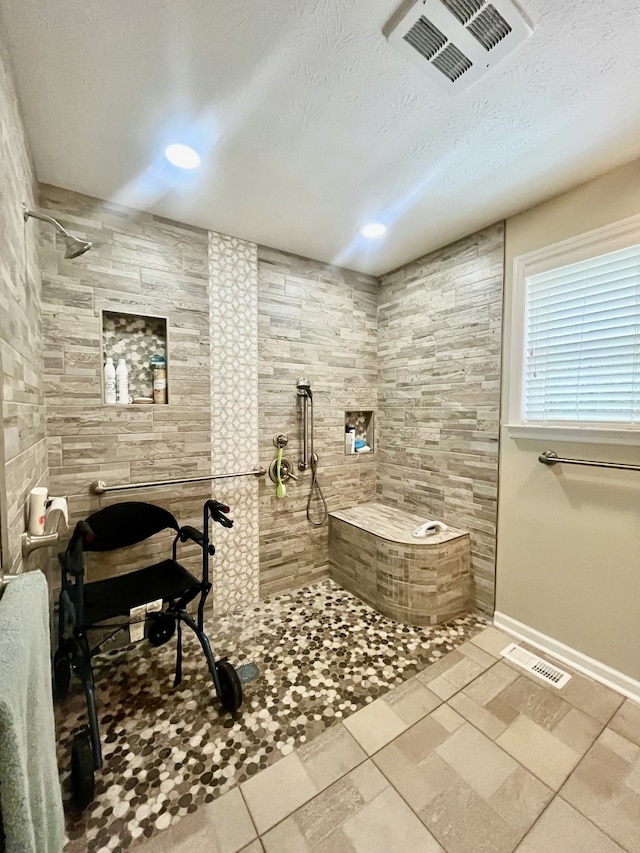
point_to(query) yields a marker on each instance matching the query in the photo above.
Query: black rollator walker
(84, 607)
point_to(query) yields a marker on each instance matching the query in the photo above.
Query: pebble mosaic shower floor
(323, 654)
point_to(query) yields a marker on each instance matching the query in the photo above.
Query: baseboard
(582, 663)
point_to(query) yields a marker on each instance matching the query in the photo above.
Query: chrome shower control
(286, 470)
(281, 439)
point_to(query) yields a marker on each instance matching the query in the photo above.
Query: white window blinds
(582, 341)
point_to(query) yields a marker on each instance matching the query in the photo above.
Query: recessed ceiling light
(182, 156)
(373, 229)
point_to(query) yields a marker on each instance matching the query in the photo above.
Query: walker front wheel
(230, 688)
(83, 783)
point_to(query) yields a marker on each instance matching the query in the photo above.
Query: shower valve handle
(286, 468)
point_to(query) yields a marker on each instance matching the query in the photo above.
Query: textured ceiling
(311, 123)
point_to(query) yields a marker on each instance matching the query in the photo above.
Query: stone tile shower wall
(318, 322)
(23, 457)
(439, 391)
(233, 300)
(140, 264)
(421, 351)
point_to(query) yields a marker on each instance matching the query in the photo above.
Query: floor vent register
(536, 665)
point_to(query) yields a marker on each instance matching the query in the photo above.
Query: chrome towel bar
(550, 457)
(99, 487)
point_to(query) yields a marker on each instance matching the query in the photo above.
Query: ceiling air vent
(457, 41)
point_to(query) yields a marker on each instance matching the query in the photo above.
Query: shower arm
(26, 214)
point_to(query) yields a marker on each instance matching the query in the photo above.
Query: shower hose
(315, 486)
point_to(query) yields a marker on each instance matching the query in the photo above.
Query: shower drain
(535, 665)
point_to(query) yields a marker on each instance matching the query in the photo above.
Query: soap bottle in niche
(122, 383)
(109, 383)
(159, 367)
(349, 440)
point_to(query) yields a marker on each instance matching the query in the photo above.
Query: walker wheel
(61, 675)
(83, 783)
(162, 629)
(230, 688)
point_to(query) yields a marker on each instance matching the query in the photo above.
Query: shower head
(304, 388)
(74, 246)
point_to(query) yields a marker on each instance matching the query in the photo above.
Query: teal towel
(30, 796)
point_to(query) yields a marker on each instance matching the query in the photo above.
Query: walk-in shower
(74, 246)
(309, 457)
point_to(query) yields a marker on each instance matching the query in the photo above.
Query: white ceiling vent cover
(535, 665)
(457, 41)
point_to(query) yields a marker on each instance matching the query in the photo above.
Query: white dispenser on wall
(122, 383)
(109, 383)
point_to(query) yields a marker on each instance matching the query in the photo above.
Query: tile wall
(23, 458)
(430, 345)
(145, 265)
(319, 322)
(439, 391)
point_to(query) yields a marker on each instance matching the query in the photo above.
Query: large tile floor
(470, 755)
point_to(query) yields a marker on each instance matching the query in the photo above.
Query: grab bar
(303, 388)
(550, 457)
(4, 581)
(99, 487)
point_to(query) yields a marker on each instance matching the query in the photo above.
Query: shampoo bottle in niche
(109, 383)
(349, 440)
(159, 367)
(122, 383)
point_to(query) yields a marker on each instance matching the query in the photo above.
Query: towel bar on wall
(99, 487)
(550, 457)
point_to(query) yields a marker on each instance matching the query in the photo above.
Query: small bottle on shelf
(159, 367)
(122, 383)
(349, 440)
(109, 382)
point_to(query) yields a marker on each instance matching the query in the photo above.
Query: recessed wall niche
(136, 338)
(362, 422)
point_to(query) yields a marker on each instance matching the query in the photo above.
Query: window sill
(575, 434)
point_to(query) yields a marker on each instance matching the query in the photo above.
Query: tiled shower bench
(373, 555)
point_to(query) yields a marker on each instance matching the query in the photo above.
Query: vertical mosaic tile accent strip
(439, 333)
(233, 304)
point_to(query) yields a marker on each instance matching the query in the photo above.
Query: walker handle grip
(217, 512)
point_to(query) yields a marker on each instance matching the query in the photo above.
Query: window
(576, 330)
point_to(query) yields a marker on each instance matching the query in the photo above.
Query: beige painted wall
(568, 561)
